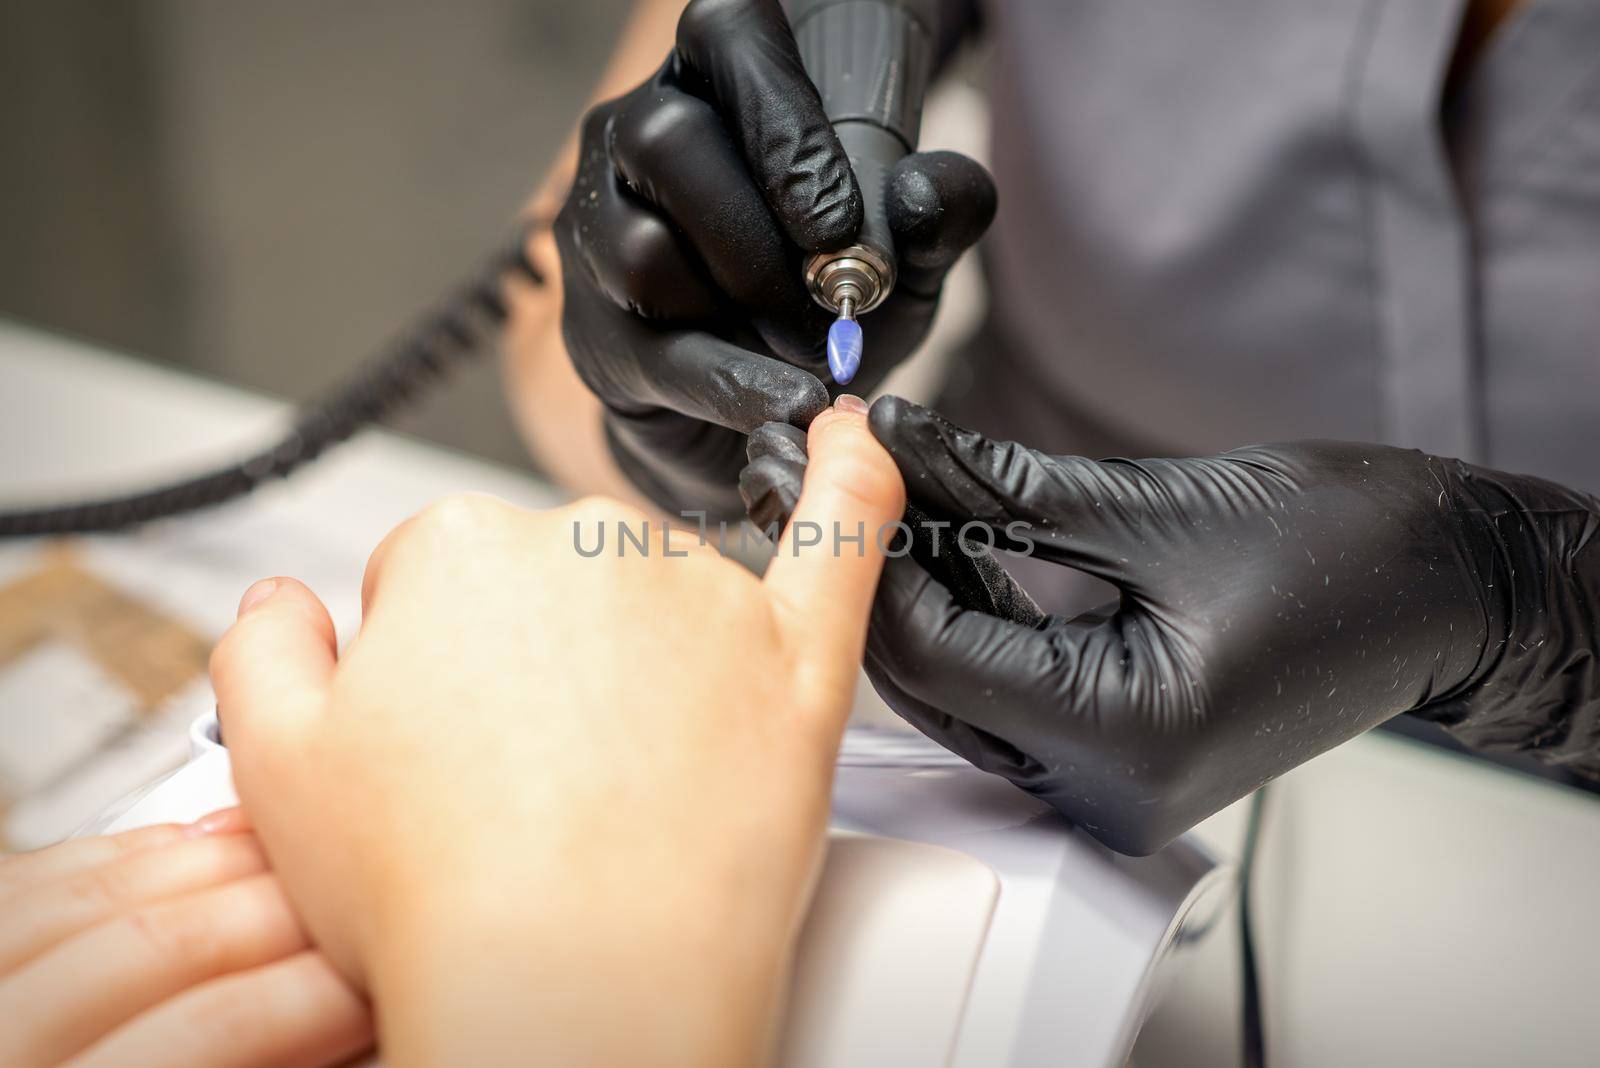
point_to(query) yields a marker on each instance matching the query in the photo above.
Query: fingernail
(256, 594)
(223, 821)
(849, 402)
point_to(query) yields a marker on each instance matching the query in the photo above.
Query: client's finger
(274, 664)
(39, 918)
(23, 871)
(827, 563)
(100, 979)
(296, 1013)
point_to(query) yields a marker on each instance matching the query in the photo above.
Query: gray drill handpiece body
(870, 61)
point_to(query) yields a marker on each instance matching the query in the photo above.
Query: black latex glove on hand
(697, 198)
(1276, 601)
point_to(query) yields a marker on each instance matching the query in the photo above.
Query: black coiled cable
(438, 342)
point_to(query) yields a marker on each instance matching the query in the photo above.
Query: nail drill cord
(432, 347)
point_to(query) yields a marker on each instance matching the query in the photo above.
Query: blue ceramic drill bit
(844, 344)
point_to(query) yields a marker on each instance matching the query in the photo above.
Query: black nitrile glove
(1276, 600)
(697, 197)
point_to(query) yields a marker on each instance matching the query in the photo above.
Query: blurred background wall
(262, 192)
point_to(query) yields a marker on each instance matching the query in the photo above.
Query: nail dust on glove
(1276, 601)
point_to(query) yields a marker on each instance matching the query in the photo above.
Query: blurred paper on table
(96, 687)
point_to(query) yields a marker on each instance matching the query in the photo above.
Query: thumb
(827, 563)
(272, 669)
(939, 204)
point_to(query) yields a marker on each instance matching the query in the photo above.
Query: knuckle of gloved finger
(643, 271)
(592, 130)
(583, 200)
(660, 133)
(594, 137)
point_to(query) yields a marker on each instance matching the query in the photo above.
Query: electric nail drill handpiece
(871, 61)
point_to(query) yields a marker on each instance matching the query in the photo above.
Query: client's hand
(166, 945)
(558, 808)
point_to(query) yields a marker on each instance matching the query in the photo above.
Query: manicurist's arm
(558, 416)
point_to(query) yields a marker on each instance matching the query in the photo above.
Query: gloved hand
(697, 197)
(1276, 601)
